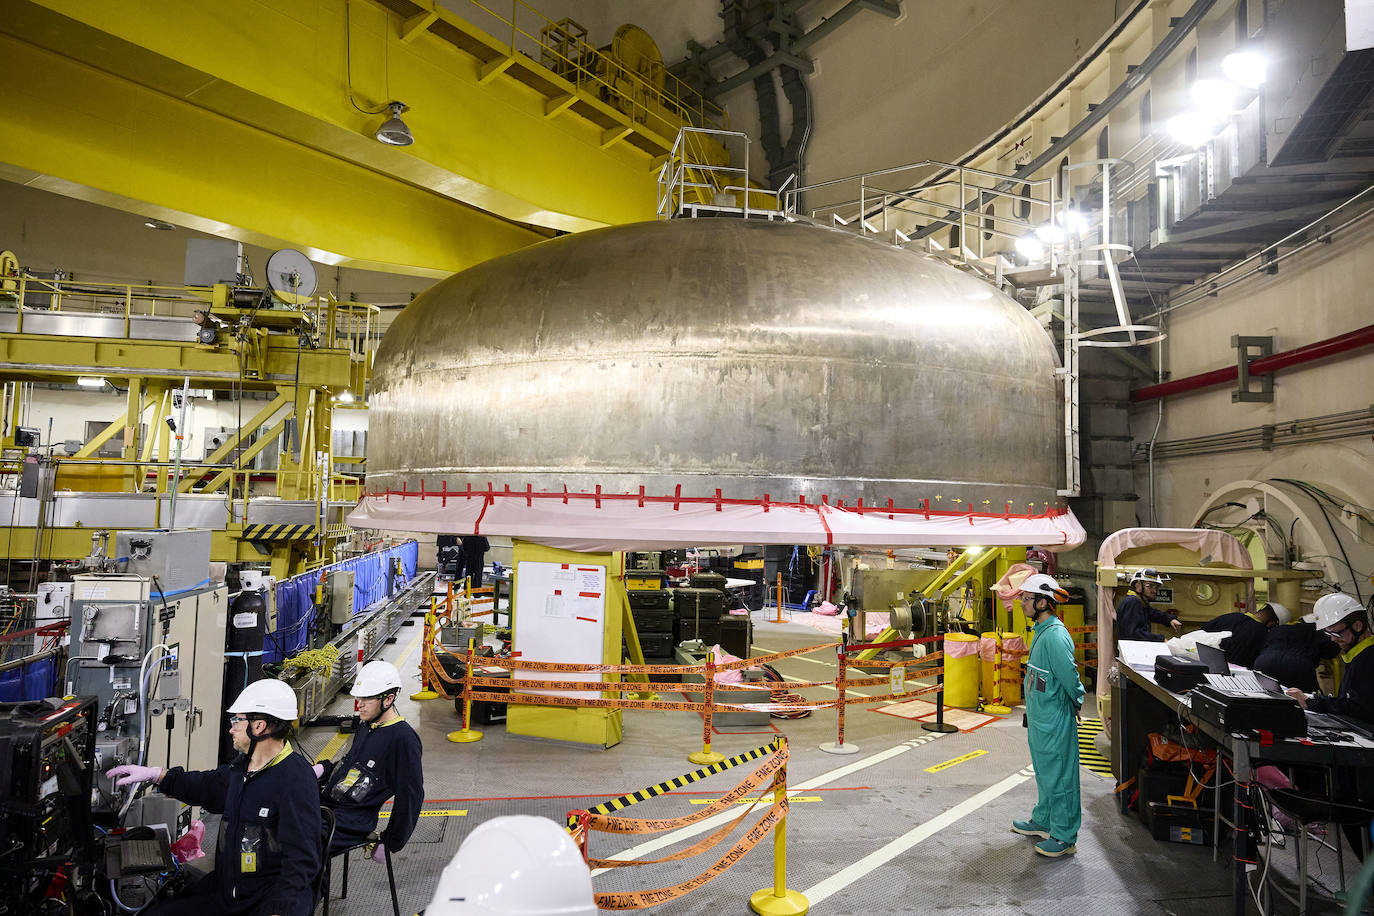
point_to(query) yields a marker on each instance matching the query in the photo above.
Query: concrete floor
(872, 833)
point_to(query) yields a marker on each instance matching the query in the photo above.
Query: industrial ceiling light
(1217, 98)
(345, 397)
(393, 131)
(1050, 234)
(158, 224)
(91, 381)
(1029, 247)
(1073, 220)
(1245, 68)
(1192, 128)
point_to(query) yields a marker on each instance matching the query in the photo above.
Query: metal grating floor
(856, 806)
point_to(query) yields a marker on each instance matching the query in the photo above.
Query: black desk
(1140, 706)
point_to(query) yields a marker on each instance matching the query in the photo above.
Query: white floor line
(848, 875)
(711, 823)
(849, 692)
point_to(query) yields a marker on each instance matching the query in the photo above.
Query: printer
(1247, 710)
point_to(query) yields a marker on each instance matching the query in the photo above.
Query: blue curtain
(33, 681)
(295, 604)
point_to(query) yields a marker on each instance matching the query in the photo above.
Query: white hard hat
(375, 679)
(268, 697)
(516, 865)
(1148, 575)
(1041, 584)
(1280, 612)
(1332, 609)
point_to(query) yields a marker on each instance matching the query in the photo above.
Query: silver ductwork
(748, 356)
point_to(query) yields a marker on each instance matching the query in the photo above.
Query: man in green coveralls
(1054, 694)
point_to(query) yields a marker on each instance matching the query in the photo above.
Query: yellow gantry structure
(255, 120)
(157, 342)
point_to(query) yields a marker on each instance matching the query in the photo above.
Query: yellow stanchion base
(464, 736)
(997, 709)
(846, 748)
(768, 903)
(706, 757)
(647, 696)
(425, 695)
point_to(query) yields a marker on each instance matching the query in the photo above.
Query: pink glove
(319, 770)
(379, 853)
(131, 774)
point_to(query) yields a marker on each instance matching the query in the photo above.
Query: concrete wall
(1321, 293)
(931, 84)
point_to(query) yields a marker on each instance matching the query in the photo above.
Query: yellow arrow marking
(955, 762)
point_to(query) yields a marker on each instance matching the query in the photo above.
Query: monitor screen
(1213, 658)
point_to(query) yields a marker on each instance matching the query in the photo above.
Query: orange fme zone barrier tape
(605, 823)
(636, 900)
(696, 848)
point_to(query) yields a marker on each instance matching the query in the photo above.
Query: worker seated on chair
(1135, 613)
(1248, 632)
(383, 761)
(1292, 653)
(268, 853)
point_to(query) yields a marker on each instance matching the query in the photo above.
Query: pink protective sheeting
(604, 522)
(1009, 585)
(962, 648)
(1220, 546)
(874, 623)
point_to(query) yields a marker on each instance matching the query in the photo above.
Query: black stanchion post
(939, 725)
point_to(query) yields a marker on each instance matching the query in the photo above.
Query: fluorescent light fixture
(159, 224)
(1029, 247)
(1245, 68)
(973, 551)
(344, 397)
(1217, 98)
(91, 381)
(394, 131)
(1192, 128)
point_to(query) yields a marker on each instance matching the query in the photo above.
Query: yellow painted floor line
(414, 643)
(443, 812)
(955, 761)
(332, 747)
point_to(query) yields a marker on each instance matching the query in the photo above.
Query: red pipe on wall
(1265, 365)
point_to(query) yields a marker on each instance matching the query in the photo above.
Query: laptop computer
(1213, 658)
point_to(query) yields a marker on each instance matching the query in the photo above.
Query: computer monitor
(1213, 658)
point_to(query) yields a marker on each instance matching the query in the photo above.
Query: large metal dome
(751, 357)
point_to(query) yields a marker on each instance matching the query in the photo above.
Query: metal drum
(751, 356)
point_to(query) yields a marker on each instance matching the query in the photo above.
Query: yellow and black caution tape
(1092, 761)
(679, 782)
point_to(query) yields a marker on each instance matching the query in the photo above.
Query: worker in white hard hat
(1054, 694)
(268, 854)
(515, 866)
(382, 762)
(1135, 613)
(1345, 621)
(1248, 631)
(1292, 652)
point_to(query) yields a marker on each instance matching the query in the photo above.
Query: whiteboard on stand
(560, 616)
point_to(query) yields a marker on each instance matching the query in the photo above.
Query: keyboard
(1239, 682)
(1337, 724)
(144, 855)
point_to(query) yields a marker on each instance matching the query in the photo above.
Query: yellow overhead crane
(159, 341)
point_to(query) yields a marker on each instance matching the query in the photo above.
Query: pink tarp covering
(618, 522)
(1220, 546)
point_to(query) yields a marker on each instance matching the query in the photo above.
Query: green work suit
(1054, 693)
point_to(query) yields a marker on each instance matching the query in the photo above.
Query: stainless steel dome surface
(751, 356)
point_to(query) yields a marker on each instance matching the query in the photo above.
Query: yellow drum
(961, 670)
(994, 646)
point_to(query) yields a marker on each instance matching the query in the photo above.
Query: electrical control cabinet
(179, 560)
(155, 666)
(341, 596)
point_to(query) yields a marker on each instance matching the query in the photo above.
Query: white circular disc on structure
(290, 275)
